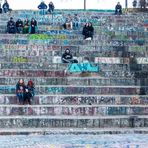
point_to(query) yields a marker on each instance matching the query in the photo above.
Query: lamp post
(84, 4)
(126, 3)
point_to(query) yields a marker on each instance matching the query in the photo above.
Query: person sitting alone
(118, 9)
(20, 91)
(6, 7)
(67, 57)
(11, 28)
(33, 26)
(68, 23)
(42, 6)
(51, 7)
(19, 26)
(88, 31)
(26, 26)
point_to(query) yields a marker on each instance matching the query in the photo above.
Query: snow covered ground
(75, 141)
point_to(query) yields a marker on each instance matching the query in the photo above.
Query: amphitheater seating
(112, 100)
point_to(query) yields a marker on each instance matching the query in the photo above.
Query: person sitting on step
(20, 91)
(26, 26)
(29, 92)
(67, 57)
(88, 31)
(19, 26)
(33, 26)
(11, 28)
(118, 9)
(68, 23)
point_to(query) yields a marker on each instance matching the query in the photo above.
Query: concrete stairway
(112, 100)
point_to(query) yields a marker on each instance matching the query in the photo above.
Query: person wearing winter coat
(118, 9)
(88, 31)
(11, 27)
(51, 7)
(67, 57)
(20, 91)
(6, 7)
(42, 6)
(29, 91)
(19, 26)
(26, 26)
(33, 26)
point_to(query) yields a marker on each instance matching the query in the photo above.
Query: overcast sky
(67, 4)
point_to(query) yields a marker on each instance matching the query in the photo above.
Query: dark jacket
(91, 29)
(42, 6)
(11, 24)
(51, 6)
(118, 7)
(19, 23)
(66, 57)
(85, 30)
(6, 6)
(20, 88)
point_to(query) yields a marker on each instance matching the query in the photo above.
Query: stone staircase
(112, 100)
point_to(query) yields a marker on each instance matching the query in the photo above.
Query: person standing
(42, 6)
(51, 7)
(143, 4)
(6, 7)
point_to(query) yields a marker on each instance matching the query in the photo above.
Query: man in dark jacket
(42, 6)
(11, 26)
(51, 7)
(6, 7)
(67, 56)
(118, 9)
(19, 26)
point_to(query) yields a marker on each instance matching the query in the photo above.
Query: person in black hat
(67, 57)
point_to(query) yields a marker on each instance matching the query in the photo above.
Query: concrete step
(11, 99)
(73, 122)
(77, 81)
(49, 131)
(73, 110)
(93, 90)
(71, 73)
